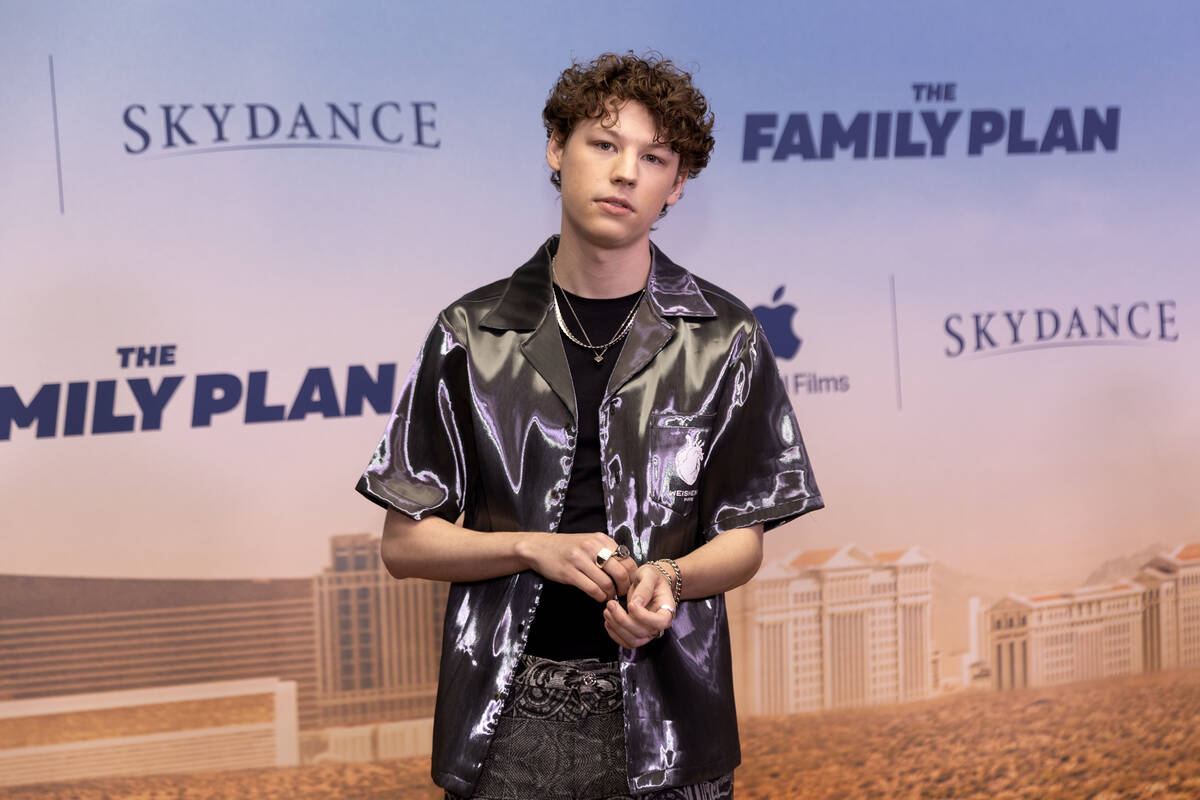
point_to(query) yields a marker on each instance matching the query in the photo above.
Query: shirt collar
(672, 291)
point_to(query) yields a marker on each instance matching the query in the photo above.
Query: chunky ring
(622, 552)
(665, 607)
(604, 555)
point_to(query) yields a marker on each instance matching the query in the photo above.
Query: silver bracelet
(678, 579)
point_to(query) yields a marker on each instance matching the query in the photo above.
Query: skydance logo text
(997, 332)
(168, 129)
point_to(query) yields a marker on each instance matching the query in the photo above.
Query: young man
(614, 435)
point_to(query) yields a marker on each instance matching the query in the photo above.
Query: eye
(603, 145)
(653, 159)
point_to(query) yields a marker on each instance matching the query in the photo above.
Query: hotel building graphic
(380, 639)
(62, 636)
(836, 628)
(1148, 623)
(360, 645)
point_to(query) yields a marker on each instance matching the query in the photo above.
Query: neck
(594, 272)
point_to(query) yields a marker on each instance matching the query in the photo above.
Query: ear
(554, 151)
(677, 189)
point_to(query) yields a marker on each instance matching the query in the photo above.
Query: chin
(613, 232)
(611, 241)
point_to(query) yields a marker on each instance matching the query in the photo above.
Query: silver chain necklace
(598, 350)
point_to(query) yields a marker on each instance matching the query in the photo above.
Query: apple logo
(777, 324)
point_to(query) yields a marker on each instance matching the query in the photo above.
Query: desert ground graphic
(1133, 737)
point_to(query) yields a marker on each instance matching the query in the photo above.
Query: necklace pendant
(598, 358)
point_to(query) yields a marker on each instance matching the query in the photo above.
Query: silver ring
(665, 607)
(604, 555)
(622, 552)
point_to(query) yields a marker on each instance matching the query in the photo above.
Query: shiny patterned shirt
(697, 437)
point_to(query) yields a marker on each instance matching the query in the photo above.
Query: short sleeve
(421, 464)
(757, 469)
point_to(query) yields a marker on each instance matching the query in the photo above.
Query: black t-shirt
(569, 624)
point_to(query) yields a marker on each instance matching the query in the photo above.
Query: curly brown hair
(597, 89)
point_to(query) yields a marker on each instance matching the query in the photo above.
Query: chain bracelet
(667, 575)
(678, 580)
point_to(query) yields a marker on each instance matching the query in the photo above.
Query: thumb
(641, 594)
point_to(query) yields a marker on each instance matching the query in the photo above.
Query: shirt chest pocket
(678, 447)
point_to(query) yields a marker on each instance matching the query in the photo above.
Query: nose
(624, 168)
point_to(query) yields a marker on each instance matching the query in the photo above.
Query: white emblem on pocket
(687, 460)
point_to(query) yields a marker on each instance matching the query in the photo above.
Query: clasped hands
(571, 558)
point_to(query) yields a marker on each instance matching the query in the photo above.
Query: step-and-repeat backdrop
(969, 233)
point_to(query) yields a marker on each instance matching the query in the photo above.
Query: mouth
(616, 205)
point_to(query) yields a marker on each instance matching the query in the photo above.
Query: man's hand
(646, 617)
(570, 558)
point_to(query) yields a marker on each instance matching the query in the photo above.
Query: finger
(658, 611)
(583, 558)
(586, 583)
(621, 571)
(619, 621)
(602, 579)
(595, 543)
(644, 589)
(622, 621)
(654, 618)
(618, 636)
(657, 614)
(622, 636)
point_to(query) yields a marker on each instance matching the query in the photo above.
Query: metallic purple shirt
(697, 437)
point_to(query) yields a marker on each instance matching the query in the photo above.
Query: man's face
(615, 180)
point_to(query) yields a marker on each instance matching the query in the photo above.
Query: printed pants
(561, 736)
